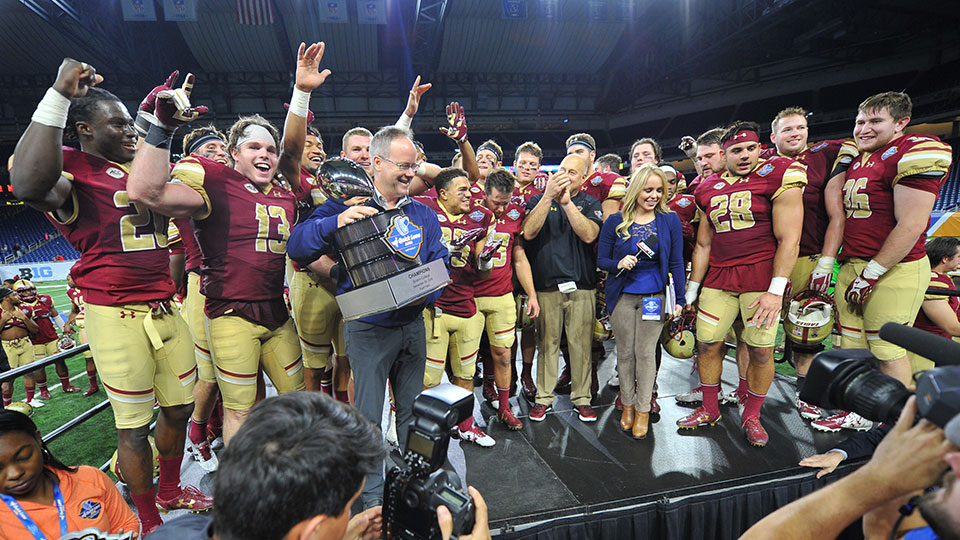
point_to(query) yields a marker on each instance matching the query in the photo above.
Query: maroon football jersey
(243, 236)
(41, 311)
(76, 299)
(508, 230)
(122, 244)
(476, 193)
(937, 281)
(189, 240)
(604, 185)
(457, 297)
(527, 192)
(308, 195)
(740, 210)
(686, 208)
(819, 159)
(916, 161)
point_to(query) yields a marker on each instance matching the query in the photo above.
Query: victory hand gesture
(308, 64)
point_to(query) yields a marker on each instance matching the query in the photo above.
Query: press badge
(567, 286)
(652, 308)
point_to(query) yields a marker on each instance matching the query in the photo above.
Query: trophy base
(393, 292)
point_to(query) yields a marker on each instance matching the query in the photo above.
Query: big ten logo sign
(37, 273)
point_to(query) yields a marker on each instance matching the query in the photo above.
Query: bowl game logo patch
(90, 509)
(404, 237)
(513, 214)
(819, 147)
(765, 170)
(476, 215)
(889, 152)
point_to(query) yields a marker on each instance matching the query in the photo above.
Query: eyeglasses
(404, 166)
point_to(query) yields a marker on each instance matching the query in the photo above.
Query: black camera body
(850, 379)
(412, 493)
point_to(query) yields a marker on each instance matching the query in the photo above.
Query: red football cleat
(190, 498)
(91, 391)
(539, 412)
(756, 435)
(69, 389)
(509, 420)
(699, 417)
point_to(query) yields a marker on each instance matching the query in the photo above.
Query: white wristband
(824, 265)
(777, 285)
(484, 265)
(422, 169)
(693, 288)
(404, 121)
(874, 270)
(300, 102)
(52, 110)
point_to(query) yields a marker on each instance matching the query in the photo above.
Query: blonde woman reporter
(641, 247)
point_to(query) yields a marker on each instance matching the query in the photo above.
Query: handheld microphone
(942, 351)
(646, 248)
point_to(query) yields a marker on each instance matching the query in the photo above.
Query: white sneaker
(392, 429)
(204, 455)
(730, 398)
(476, 435)
(614, 381)
(36, 403)
(844, 420)
(693, 397)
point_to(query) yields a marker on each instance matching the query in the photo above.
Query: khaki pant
(637, 342)
(573, 312)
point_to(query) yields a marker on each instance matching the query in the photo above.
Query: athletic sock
(30, 390)
(742, 387)
(146, 509)
(752, 406)
(65, 382)
(169, 485)
(342, 396)
(466, 424)
(197, 431)
(503, 398)
(326, 382)
(711, 403)
(42, 388)
(7, 399)
(800, 379)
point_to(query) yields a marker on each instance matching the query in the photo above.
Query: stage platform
(563, 478)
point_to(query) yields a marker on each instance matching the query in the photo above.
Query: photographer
(293, 471)
(910, 458)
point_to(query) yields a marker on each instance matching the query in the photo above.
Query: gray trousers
(377, 354)
(637, 343)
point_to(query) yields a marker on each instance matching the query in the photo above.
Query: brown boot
(640, 425)
(627, 418)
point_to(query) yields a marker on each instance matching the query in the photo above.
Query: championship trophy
(381, 253)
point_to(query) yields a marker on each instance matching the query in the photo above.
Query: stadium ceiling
(675, 67)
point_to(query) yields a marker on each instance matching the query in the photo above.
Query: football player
(494, 295)
(747, 239)
(454, 325)
(46, 341)
(887, 194)
(242, 218)
(939, 314)
(789, 136)
(608, 188)
(76, 324)
(141, 346)
(645, 150)
(210, 143)
(17, 327)
(609, 163)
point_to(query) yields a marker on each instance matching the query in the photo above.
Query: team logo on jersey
(596, 181)
(441, 218)
(475, 189)
(765, 170)
(888, 153)
(513, 214)
(250, 187)
(114, 172)
(405, 237)
(598, 213)
(125, 314)
(90, 509)
(719, 185)
(683, 203)
(819, 147)
(476, 215)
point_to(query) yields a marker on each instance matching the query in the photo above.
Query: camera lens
(871, 394)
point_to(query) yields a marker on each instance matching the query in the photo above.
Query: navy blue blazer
(611, 248)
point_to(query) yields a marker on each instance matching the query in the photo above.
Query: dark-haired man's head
(499, 187)
(741, 146)
(296, 465)
(99, 121)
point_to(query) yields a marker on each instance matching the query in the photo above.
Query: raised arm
(584, 227)
(36, 175)
(413, 103)
(308, 79)
(457, 130)
(149, 179)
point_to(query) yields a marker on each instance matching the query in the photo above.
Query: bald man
(559, 231)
